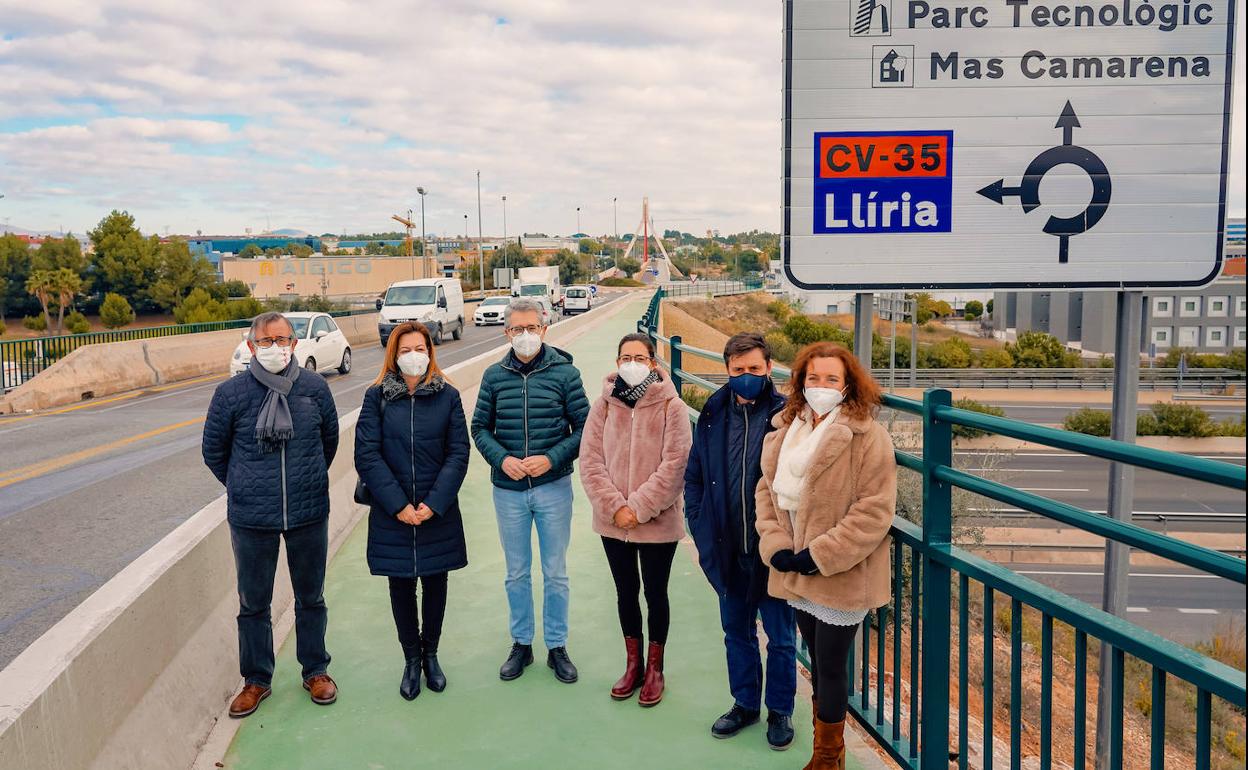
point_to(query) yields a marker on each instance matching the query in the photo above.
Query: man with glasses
(530, 411)
(270, 437)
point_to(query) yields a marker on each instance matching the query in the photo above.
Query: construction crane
(411, 252)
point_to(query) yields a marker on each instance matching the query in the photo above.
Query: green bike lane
(535, 721)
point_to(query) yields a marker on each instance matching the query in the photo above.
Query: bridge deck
(535, 721)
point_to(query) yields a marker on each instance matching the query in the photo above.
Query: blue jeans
(255, 559)
(549, 508)
(745, 666)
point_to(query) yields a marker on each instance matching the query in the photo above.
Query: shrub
(36, 323)
(1233, 426)
(1234, 360)
(694, 396)
(246, 307)
(996, 358)
(1039, 350)
(199, 307)
(974, 309)
(782, 348)
(620, 282)
(803, 331)
(953, 353)
(779, 310)
(1092, 422)
(115, 311)
(1183, 420)
(962, 431)
(77, 323)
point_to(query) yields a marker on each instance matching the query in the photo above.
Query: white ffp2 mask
(274, 358)
(527, 344)
(413, 363)
(823, 400)
(633, 373)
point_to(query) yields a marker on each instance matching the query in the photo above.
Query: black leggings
(656, 568)
(432, 609)
(829, 647)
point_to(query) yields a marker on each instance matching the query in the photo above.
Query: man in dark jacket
(723, 471)
(270, 436)
(531, 409)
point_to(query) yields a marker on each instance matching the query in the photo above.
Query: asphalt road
(1178, 604)
(1050, 413)
(86, 489)
(1162, 502)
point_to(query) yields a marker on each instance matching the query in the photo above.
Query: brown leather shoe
(247, 701)
(323, 689)
(634, 670)
(829, 749)
(652, 688)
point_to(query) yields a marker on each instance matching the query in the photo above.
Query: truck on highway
(538, 282)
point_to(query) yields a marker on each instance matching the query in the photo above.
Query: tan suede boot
(829, 751)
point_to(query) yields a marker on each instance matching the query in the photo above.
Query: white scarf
(796, 453)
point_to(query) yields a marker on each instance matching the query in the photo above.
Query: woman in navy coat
(411, 451)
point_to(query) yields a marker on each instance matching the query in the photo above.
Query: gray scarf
(274, 426)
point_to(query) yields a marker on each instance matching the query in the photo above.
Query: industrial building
(333, 277)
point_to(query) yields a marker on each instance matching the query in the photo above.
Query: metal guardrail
(22, 359)
(927, 566)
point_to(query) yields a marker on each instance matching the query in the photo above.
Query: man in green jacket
(531, 409)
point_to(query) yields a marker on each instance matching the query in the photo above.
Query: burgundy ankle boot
(652, 690)
(634, 672)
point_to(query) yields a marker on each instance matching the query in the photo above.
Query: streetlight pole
(505, 243)
(411, 257)
(424, 243)
(578, 220)
(480, 236)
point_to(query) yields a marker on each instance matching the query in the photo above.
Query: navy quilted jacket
(272, 490)
(526, 415)
(416, 452)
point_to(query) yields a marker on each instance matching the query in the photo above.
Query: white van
(438, 303)
(577, 299)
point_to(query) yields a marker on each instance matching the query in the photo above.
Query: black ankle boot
(433, 672)
(409, 686)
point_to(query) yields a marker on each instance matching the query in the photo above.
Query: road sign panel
(1090, 137)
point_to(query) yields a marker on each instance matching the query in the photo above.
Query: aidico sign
(1011, 144)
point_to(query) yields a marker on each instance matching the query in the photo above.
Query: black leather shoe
(736, 720)
(409, 687)
(433, 672)
(559, 661)
(521, 655)
(779, 731)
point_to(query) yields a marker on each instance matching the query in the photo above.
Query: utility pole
(892, 344)
(424, 243)
(505, 244)
(913, 306)
(480, 251)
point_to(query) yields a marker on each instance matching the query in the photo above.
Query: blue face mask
(748, 386)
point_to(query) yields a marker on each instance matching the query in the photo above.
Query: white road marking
(1197, 611)
(1137, 609)
(1173, 514)
(1053, 489)
(1013, 470)
(1178, 575)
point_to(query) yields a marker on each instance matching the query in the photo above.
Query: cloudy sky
(327, 114)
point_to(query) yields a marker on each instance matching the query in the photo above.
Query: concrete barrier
(103, 369)
(138, 674)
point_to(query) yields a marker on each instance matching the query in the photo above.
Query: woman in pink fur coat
(633, 455)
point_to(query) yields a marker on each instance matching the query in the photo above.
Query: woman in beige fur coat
(825, 504)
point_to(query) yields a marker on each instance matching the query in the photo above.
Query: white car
(490, 311)
(319, 345)
(577, 299)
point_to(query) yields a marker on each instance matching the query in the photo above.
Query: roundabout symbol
(1028, 192)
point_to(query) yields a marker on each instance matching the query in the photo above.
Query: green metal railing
(928, 569)
(22, 359)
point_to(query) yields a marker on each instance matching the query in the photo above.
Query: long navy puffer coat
(419, 455)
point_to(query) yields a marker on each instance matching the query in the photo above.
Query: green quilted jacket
(524, 415)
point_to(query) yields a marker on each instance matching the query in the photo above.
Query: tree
(953, 353)
(988, 307)
(251, 251)
(199, 307)
(115, 312)
(513, 254)
(42, 286)
(178, 273)
(590, 246)
(55, 253)
(629, 267)
(300, 249)
(78, 323)
(15, 267)
(124, 261)
(571, 268)
(1037, 350)
(66, 284)
(974, 309)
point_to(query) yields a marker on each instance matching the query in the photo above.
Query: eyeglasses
(268, 342)
(516, 331)
(635, 359)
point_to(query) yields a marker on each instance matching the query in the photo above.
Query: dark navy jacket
(419, 455)
(272, 490)
(723, 472)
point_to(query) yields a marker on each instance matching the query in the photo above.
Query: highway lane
(86, 489)
(1162, 502)
(1176, 603)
